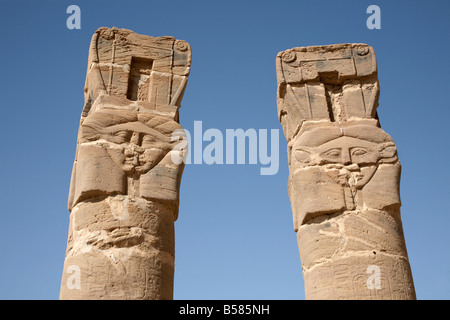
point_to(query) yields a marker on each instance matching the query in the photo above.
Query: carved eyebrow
(93, 127)
(301, 148)
(362, 148)
(137, 126)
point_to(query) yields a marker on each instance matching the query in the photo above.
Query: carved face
(353, 156)
(344, 150)
(331, 168)
(126, 152)
(135, 142)
(349, 161)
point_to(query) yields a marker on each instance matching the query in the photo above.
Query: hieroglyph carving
(344, 174)
(124, 191)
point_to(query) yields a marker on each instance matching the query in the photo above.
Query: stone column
(344, 175)
(124, 191)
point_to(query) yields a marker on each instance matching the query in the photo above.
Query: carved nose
(135, 138)
(128, 152)
(138, 149)
(133, 150)
(346, 159)
(134, 147)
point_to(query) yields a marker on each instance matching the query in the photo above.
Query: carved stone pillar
(124, 192)
(344, 175)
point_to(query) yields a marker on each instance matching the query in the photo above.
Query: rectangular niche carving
(139, 79)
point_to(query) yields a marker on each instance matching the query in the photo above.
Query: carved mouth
(352, 176)
(134, 161)
(136, 164)
(131, 162)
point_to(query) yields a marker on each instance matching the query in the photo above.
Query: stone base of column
(355, 255)
(119, 248)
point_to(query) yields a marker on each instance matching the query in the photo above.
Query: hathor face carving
(126, 152)
(330, 167)
(135, 142)
(349, 161)
(344, 150)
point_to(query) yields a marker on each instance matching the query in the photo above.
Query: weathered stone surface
(124, 191)
(344, 175)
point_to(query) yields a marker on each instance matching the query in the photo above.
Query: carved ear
(88, 133)
(389, 151)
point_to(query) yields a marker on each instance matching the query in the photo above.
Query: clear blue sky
(234, 235)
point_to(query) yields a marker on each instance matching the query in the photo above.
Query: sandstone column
(124, 191)
(344, 175)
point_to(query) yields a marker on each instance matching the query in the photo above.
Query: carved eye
(122, 136)
(358, 152)
(333, 153)
(302, 156)
(147, 141)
